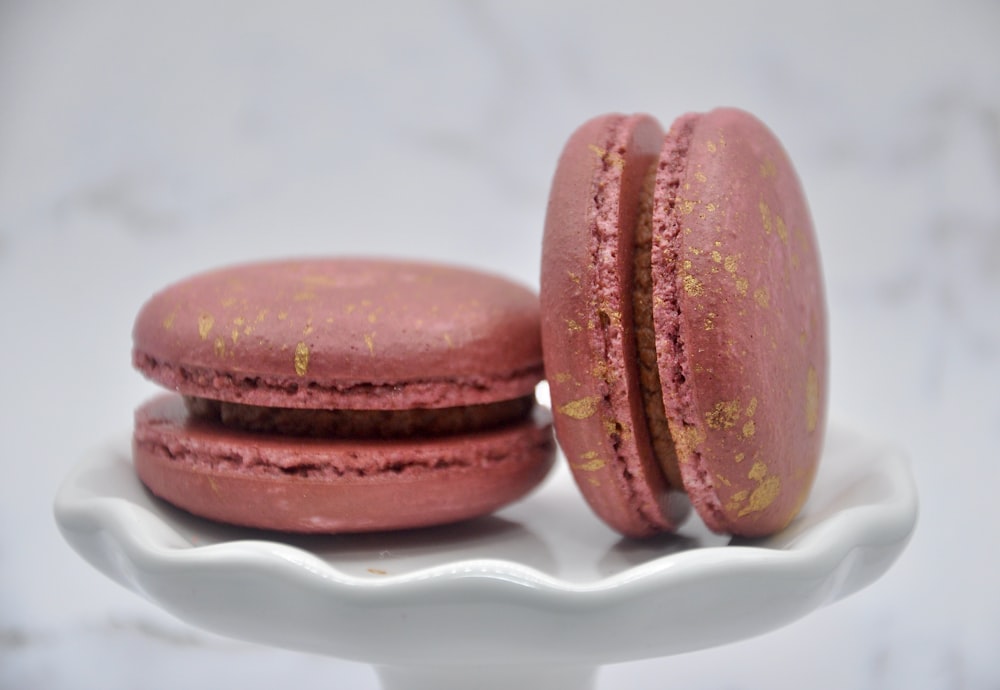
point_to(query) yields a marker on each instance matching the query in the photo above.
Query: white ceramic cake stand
(537, 596)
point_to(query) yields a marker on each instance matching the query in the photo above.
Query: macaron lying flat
(341, 395)
(684, 323)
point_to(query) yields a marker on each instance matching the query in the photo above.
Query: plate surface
(542, 581)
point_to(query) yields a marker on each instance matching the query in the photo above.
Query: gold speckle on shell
(692, 285)
(205, 323)
(592, 463)
(768, 488)
(168, 322)
(765, 217)
(301, 358)
(762, 297)
(742, 285)
(779, 227)
(581, 408)
(812, 400)
(723, 415)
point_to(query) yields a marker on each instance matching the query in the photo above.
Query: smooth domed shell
(343, 333)
(740, 320)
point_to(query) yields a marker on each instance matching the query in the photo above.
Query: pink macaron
(684, 323)
(341, 395)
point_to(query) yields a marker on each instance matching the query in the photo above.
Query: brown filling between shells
(642, 306)
(361, 423)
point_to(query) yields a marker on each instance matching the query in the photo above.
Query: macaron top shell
(740, 321)
(343, 333)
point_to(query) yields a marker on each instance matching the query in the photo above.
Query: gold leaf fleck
(602, 371)
(318, 279)
(301, 359)
(370, 342)
(749, 429)
(220, 347)
(731, 264)
(779, 227)
(812, 400)
(168, 322)
(765, 216)
(692, 285)
(758, 471)
(205, 323)
(763, 496)
(581, 408)
(592, 462)
(687, 439)
(736, 499)
(723, 415)
(609, 157)
(762, 297)
(742, 285)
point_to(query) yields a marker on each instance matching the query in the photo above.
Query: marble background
(140, 142)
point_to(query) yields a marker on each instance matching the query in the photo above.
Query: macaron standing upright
(341, 395)
(684, 323)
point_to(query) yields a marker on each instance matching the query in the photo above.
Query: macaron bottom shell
(311, 485)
